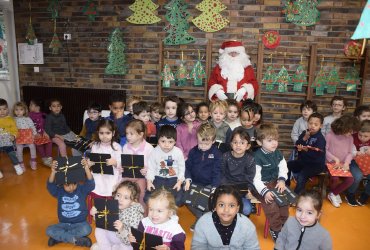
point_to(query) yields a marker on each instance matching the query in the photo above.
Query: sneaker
(1, 175)
(339, 199)
(52, 242)
(18, 169)
(47, 161)
(94, 247)
(333, 200)
(83, 242)
(363, 199)
(350, 198)
(22, 166)
(33, 165)
(274, 234)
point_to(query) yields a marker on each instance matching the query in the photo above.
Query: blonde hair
(164, 194)
(218, 104)
(134, 98)
(206, 132)
(267, 130)
(21, 105)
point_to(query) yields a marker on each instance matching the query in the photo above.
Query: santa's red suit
(239, 85)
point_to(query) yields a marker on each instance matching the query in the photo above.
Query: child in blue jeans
(72, 210)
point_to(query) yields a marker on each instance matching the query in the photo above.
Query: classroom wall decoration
(352, 79)
(363, 28)
(299, 79)
(210, 20)
(55, 43)
(54, 7)
(116, 55)
(333, 81)
(282, 80)
(143, 12)
(167, 76)
(302, 12)
(269, 78)
(198, 73)
(30, 35)
(181, 75)
(90, 9)
(177, 29)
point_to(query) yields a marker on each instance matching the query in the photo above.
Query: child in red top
(141, 112)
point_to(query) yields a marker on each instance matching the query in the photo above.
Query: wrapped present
(198, 197)
(363, 162)
(25, 136)
(145, 241)
(337, 171)
(69, 170)
(285, 198)
(81, 144)
(41, 139)
(70, 136)
(107, 213)
(132, 164)
(100, 163)
(223, 147)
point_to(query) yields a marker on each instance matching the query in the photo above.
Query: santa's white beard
(232, 69)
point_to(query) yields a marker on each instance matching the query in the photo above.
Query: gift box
(198, 197)
(107, 213)
(81, 144)
(41, 139)
(285, 198)
(336, 171)
(69, 170)
(144, 240)
(25, 136)
(132, 164)
(363, 162)
(100, 163)
(70, 136)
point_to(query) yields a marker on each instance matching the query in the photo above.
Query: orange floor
(26, 209)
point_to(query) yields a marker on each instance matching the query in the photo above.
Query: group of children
(223, 146)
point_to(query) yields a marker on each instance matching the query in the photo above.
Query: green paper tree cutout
(116, 56)
(198, 73)
(143, 12)
(55, 44)
(283, 79)
(269, 78)
(210, 20)
(320, 82)
(299, 79)
(167, 76)
(30, 36)
(352, 79)
(177, 30)
(302, 12)
(181, 75)
(332, 81)
(90, 9)
(54, 7)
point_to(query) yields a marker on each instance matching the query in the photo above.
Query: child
(166, 165)
(304, 230)
(162, 221)
(91, 123)
(362, 113)
(203, 113)
(56, 126)
(361, 141)
(238, 166)
(72, 211)
(140, 112)
(136, 145)
(225, 227)
(338, 105)
(187, 130)
(232, 117)
(203, 166)
(117, 106)
(258, 114)
(130, 103)
(223, 131)
(171, 104)
(247, 119)
(130, 214)
(271, 172)
(41, 140)
(8, 133)
(156, 112)
(307, 108)
(26, 132)
(339, 143)
(311, 153)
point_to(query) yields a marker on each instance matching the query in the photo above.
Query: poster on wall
(30, 54)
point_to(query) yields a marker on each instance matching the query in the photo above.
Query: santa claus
(233, 76)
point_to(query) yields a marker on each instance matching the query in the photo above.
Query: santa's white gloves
(221, 95)
(240, 94)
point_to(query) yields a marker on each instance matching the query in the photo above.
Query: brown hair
(314, 196)
(21, 105)
(344, 124)
(130, 185)
(365, 126)
(138, 126)
(164, 194)
(267, 130)
(110, 126)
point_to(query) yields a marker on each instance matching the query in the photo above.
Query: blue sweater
(204, 167)
(165, 121)
(312, 157)
(120, 123)
(71, 206)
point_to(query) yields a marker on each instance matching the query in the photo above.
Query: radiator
(74, 100)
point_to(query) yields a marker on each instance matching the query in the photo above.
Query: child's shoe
(333, 199)
(350, 198)
(363, 199)
(52, 242)
(33, 165)
(1, 175)
(22, 166)
(94, 247)
(47, 161)
(18, 169)
(83, 242)
(339, 199)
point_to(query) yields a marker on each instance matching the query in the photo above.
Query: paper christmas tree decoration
(299, 79)
(55, 43)
(90, 10)
(269, 78)
(363, 28)
(181, 75)
(352, 79)
(210, 20)
(320, 82)
(143, 12)
(332, 81)
(198, 73)
(54, 7)
(167, 76)
(30, 36)
(302, 12)
(116, 56)
(283, 79)
(177, 30)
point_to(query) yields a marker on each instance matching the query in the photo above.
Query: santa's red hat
(232, 46)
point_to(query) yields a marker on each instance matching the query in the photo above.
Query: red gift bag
(24, 136)
(337, 171)
(42, 139)
(363, 162)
